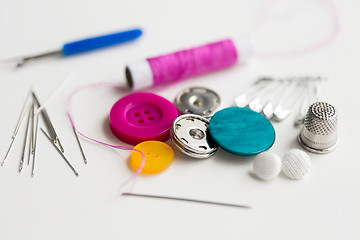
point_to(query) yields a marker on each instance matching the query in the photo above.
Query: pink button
(140, 117)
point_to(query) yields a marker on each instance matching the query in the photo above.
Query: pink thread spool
(187, 63)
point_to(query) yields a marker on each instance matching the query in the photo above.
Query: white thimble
(296, 164)
(267, 165)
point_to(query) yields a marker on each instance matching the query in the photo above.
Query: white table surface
(57, 205)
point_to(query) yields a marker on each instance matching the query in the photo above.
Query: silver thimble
(319, 133)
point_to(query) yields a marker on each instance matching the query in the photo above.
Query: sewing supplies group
(147, 120)
(318, 135)
(33, 109)
(147, 113)
(141, 118)
(199, 135)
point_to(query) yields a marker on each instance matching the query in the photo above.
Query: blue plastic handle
(94, 43)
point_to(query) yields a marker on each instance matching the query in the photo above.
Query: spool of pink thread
(188, 63)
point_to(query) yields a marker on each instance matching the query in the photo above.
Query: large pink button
(140, 117)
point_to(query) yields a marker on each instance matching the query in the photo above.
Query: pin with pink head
(188, 63)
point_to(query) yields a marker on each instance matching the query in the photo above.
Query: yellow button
(158, 157)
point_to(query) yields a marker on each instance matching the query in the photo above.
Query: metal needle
(185, 199)
(78, 141)
(34, 147)
(31, 149)
(18, 124)
(49, 126)
(25, 141)
(45, 117)
(8, 151)
(61, 154)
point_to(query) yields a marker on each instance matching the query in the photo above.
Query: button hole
(137, 114)
(141, 121)
(151, 118)
(146, 111)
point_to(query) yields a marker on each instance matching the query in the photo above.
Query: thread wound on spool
(192, 62)
(187, 63)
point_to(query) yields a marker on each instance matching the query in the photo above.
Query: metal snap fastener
(190, 135)
(197, 100)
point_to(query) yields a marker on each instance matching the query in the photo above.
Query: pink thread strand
(312, 47)
(71, 117)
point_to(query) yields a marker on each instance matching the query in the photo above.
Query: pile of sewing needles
(33, 109)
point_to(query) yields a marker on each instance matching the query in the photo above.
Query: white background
(57, 205)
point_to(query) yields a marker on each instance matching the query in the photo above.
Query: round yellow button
(158, 157)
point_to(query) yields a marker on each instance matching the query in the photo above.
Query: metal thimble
(319, 133)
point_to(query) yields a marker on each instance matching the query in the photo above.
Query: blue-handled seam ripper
(82, 46)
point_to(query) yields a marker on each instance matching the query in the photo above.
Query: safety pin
(185, 199)
(49, 126)
(18, 124)
(61, 154)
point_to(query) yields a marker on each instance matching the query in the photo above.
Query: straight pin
(78, 141)
(185, 199)
(25, 141)
(18, 124)
(59, 151)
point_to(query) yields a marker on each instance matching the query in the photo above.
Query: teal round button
(242, 131)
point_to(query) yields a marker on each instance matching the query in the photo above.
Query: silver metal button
(197, 100)
(190, 135)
